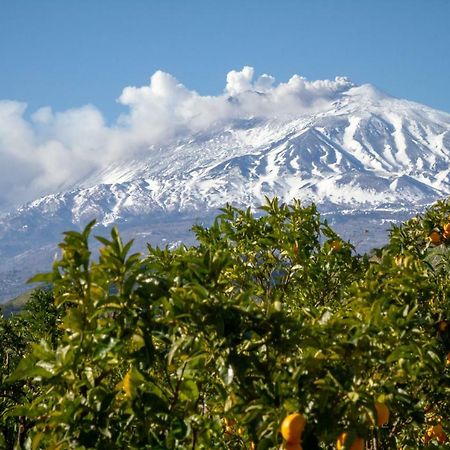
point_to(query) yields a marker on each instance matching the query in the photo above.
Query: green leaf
(41, 278)
(189, 390)
(28, 368)
(74, 320)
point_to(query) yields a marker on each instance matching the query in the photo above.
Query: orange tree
(213, 346)
(37, 321)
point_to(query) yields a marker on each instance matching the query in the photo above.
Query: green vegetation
(269, 320)
(38, 320)
(16, 304)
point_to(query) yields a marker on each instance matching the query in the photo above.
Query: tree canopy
(213, 345)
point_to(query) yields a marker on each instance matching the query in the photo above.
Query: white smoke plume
(52, 151)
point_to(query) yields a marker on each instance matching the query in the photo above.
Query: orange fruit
(448, 358)
(293, 446)
(435, 238)
(435, 432)
(336, 245)
(228, 424)
(292, 428)
(357, 444)
(443, 325)
(382, 413)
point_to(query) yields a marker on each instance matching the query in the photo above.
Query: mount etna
(365, 158)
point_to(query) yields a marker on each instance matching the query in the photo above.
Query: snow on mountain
(363, 153)
(368, 150)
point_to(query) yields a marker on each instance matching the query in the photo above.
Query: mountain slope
(367, 148)
(365, 154)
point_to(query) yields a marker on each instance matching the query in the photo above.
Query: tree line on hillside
(270, 333)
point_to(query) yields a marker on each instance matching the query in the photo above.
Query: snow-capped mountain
(364, 155)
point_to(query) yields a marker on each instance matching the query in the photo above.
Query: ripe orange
(382, 414)
(229, 426)
(336, 245)
(358, 443)
(292, 428)
(448, 358)
(435, 432)
(435, 238)
(293, 446)
(443, 325)
(229, 422)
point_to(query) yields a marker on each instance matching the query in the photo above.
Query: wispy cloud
(53, 150)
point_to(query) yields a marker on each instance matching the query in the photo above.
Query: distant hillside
(16, 304)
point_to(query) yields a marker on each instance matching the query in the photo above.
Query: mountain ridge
(360, 154)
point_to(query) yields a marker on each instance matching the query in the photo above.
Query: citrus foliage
(37, 321)
(213, 346)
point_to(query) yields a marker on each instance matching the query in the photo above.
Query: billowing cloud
(52, 151)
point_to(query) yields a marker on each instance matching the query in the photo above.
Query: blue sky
(69, 53)
(101, 78)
